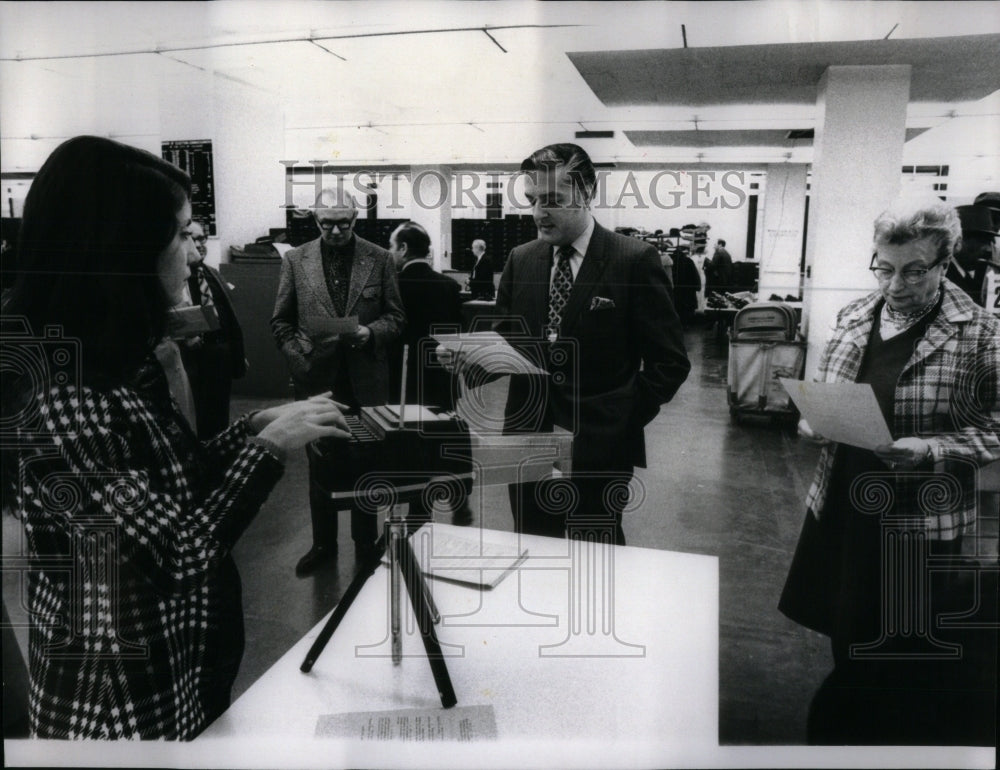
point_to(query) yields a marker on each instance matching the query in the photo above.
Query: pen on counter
(344, 605)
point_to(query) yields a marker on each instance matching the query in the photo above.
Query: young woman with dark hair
(134, 598)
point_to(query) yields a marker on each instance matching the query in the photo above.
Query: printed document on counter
(462, 723)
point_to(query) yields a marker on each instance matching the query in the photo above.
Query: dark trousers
(323, 510)
(421, 513)
(324, 513)
(584, 507)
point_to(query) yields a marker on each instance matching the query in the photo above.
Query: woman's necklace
(897, 321)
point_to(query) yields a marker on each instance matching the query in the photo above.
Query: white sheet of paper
(469, 561)
(413, 414)
(462, 723)
(490, 351)
(845, 412)
(191, 320)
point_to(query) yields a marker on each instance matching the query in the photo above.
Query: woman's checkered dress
(133, 595)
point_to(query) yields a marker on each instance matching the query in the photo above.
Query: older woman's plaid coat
(129, 521)
(948, 393)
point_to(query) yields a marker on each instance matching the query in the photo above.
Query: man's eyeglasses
(911, 276)
(340, 224)
(199, 238)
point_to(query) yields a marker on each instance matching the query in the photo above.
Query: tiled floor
(712, 487)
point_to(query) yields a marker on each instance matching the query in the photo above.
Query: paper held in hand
(489, 351)
(845, 412)
(327, 324)
(191, 320)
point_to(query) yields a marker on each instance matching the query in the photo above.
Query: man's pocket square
(601, 303)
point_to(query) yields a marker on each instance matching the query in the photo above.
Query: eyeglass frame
(342, 225)
(909, 281)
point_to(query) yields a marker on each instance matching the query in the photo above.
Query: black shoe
(462, 517)
(317, 555)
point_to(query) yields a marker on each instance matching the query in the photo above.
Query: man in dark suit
(212, 359)
(593, 309)
(969, 267)
(721, 265)
(338, 276)
(687, 284)
(432, 303)
(481, 280)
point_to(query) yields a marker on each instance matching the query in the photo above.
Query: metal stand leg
(403, 566)
(395, 525)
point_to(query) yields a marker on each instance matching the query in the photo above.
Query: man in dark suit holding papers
(592, 308)
(337, 309)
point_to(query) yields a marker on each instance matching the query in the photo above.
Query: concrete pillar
(431, 188)
(856, 173)
(780, 249)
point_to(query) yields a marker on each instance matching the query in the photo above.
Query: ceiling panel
(731, 138)
(944, 69)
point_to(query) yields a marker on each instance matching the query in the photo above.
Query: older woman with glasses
(875, 565)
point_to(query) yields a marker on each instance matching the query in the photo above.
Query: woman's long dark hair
(96, 219)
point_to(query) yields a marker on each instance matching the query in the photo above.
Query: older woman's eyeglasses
(911, 276)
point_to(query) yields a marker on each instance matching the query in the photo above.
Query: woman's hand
(904, 453)
(291, 426)
(807, 433)
(263, 418)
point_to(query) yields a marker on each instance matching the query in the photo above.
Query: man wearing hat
(990, 200)
(968, 269)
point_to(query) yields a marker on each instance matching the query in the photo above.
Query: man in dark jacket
(481, 280)
(721, 265)
(432, 303)
(592, 308)
(969, 268)
(215, 358)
